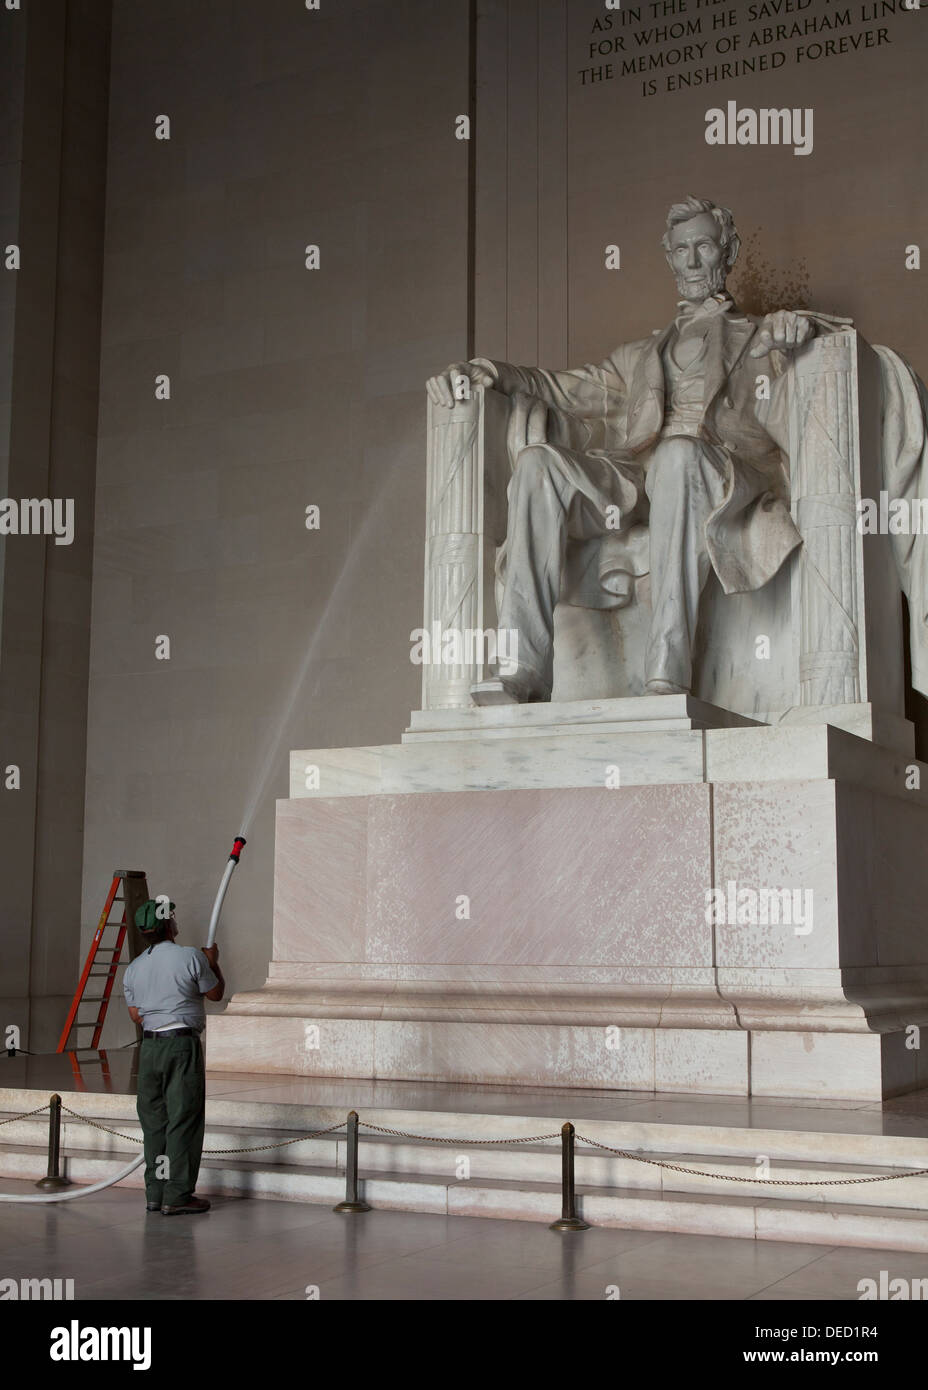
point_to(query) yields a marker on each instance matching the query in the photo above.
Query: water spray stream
(264, 773)
(351, 559)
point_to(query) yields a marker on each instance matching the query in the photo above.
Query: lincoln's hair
(692, 207)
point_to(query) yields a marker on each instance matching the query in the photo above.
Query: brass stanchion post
(569, 1220)
(352, 1200)
(53, 1179)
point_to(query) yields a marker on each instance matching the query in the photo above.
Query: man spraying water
(164, 990)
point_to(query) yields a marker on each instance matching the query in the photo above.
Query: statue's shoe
(503, 690)
(666, 688)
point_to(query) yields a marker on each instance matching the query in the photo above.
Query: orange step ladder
(134, 886)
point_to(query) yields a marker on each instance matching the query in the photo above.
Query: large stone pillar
(55, 60)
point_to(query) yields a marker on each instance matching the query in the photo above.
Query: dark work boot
(191, 1207)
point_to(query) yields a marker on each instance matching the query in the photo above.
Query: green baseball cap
(151, 915)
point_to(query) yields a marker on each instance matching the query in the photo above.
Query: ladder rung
(106, 971)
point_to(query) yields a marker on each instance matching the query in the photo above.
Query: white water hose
(77, 1191)
(234, 857)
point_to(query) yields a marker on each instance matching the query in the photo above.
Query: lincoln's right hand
(445, 388)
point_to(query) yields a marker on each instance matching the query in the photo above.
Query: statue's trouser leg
(545, 507)
(686, 482)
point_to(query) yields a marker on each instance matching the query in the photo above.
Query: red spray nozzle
(240, 843)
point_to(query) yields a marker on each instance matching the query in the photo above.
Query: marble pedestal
(521, 898)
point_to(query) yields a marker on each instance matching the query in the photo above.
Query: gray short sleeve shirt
(166, 984)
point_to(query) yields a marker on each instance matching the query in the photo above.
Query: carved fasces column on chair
(844, 592)
(467, 476)
(824, 456)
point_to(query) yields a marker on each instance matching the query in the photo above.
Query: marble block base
(636, 714)
(563, 935)
(303, 1040)
(502, 758)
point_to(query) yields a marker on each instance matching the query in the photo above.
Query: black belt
(173, 1033)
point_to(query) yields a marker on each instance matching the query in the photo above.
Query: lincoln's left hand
(786, 330)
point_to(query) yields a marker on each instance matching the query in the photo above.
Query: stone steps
(818, 1142)
(517, 1163)
(694, 1213)
(521, 1181)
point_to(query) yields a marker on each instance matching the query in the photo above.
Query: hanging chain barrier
(654, 1162)
(452, 1139)
(254, 1149)
(766, 1182)
(570, 1219)
(27, 1114)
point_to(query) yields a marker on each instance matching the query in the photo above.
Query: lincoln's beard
(704, 283)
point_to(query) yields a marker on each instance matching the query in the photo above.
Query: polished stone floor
(247, 1249)
(259, 1249)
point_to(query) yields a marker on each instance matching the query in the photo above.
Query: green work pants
(171, 1105)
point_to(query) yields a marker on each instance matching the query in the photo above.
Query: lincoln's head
(701, 246)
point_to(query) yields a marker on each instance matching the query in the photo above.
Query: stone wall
(289, 388)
